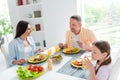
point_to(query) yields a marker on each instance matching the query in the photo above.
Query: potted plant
(5, 28)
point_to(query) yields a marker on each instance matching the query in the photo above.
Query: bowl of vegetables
(56, 58)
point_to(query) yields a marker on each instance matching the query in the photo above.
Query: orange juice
(57, 49)
(49, 52)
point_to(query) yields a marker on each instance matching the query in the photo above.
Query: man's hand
(81, 44)
(61, 45)
(85, 46)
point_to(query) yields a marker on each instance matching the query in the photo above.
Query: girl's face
(96, 54)
(28, 30)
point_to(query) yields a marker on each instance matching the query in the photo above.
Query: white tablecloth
(10, 74)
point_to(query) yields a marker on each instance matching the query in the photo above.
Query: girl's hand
(88, 63)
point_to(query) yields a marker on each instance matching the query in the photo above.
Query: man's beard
(73, 30)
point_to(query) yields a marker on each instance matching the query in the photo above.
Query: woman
(22, 46)
(101, 53)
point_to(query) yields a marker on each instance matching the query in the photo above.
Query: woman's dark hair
(103, 46)
(21, 28)
(76, 17)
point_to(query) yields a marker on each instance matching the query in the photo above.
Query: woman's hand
(39, 50)
(19, 62)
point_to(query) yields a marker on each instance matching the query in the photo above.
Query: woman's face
(28, 30)
(96, 53)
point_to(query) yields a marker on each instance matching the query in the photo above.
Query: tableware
(50, 66)
(77, 63)
(49, 52)
(38, 58)
(29, 72)
(57, 49)
(71, 50)
(56, 58)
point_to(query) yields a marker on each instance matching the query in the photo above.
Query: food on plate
(80, 63)
(77, 63)
(71, 50)
(35, 68)
(38, 58)
(56, 58)
(29, 72)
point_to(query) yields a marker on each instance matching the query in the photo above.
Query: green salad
(26, 74)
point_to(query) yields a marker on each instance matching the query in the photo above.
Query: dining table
(61, 71)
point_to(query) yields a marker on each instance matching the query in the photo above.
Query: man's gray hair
(76, 17)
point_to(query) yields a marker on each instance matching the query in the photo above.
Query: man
(78, 36)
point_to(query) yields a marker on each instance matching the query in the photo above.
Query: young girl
(101, 53)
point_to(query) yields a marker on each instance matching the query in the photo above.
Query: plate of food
(56, 58)
(78, 63)
(29, 72)
(71, 50)
(38, 58)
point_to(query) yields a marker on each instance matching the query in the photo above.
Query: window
(103, 17)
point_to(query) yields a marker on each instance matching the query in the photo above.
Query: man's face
(75, 26)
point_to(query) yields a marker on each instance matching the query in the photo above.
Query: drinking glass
(57, 49)
(49, 52)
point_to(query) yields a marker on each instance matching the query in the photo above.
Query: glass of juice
(49, 52)
(57, 49)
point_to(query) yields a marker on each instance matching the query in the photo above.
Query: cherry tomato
(40, 68)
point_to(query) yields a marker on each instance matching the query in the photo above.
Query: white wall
(56, 14)
(56, 19)
(13, 12)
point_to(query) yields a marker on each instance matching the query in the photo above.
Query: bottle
(44, 43)
(50, 64)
